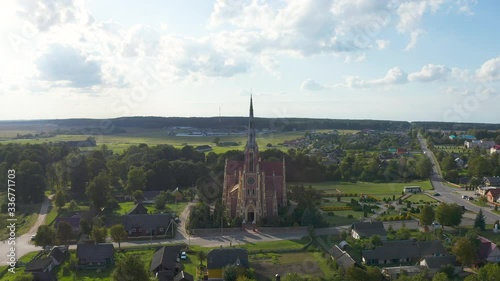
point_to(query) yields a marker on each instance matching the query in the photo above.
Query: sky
(411, 60)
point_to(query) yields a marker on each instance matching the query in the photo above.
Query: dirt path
(23, 243)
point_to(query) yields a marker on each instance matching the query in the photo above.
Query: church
(253, 189)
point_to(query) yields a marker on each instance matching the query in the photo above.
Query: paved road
(23, 243)
(451, 195)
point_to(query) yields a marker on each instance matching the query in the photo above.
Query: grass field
(420, 198)
(177, 208)
(119, 142)
(378, 190)
(26, 215)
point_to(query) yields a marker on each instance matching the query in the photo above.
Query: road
(23, 243)
(452, 195)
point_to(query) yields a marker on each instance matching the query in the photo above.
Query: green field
(420, 198)
(378, 190)
(177, 208)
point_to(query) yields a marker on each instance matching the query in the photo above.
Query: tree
(99, 234)
(307, 218)
(60, 199)
(85, 226)
(99, 191)
(136, 179)
(427, 215)
(449, 214)
(45, 236)
(216, 140)
(160, 201)
(24, 277)
(465, 250)
(202, 256)
(480, 222)
(118, 233)
(423, 167)
(490, 271)
(403, 234)
(229, 273)
(130, 268)
(376, 240)
(64, 232)
(138, 195)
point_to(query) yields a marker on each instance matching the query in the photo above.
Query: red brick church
(253, 189)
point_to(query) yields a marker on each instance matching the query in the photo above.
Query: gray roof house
(95, 256)
(402, 252)
(434, 264)
(367, 229)
(147, 225)
(40, 265)
(343, 259)
(58, 254)
(166, 260)
(492, 181)
(138, 210)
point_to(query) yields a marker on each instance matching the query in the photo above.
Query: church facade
(253, 189)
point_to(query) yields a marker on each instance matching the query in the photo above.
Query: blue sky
(428, 60)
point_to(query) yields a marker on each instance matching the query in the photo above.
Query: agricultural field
(377, 190)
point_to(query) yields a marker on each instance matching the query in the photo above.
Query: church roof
(272, 166)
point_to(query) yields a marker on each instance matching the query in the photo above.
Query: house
(492, 181)
(219, 258)
(95, 255)
(150, 195)
(138, 209)
(177, 194)
(401, 151)
(44, 276)
(58, 254)
(435, 264)
(495, 149)
(393, 273)
(412, 189)
(367, 229)
(481, 190)
(74, 221)
(343, 259)
(493, 195)
(459, 162)
(147, 225)
(402, 251)
(40, 265)
(183, 276)
(165, 263)
(479, 143)
(487, 251)
(203, 148)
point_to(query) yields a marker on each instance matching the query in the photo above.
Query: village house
(412, 189)
(495, 149)
(148, 225)
(491, 181)
(493, 194)
(393, 273)
(166, 263)
(479, 143)
(487, 251)
(367, 229)
(219, 258)
(342, 258)
(402, 252)
(74, 221)
(95, 255)
(435, 264)
(138, 209)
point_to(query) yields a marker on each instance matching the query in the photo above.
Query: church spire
(251, 149)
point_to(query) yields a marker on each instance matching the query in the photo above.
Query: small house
(493, 195)
(487, 252)
(412, 189)
(165, 263)
(183, 276)
(342, 258)
(138, 209)
(393, 273)
(367, 229)
(95, 255)
(219, 258)
(435, 264)
(492, 181)
(40, 265)
(74, 221)
(58, 254)
(148, 225)
(402, 252)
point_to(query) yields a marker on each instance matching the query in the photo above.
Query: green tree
(403, 234)
(465, 250)
(427, 215)
(229, 273)
(60, 199)
(138, 195)
(423, 167)
(45, 236)
(490, 272)
(85, 226)
(24, 277)
(136, 179)
(64, 232)
(161, 201)
(480, 221)
(376, 240)
(31, 182)
(202, 256)
(307, 218)
(449, 214)
(118, 233)
(98, 191)
(130, 268)
(99, 234)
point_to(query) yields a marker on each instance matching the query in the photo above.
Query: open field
(26, 216)
(378, 190)
(120, 142)
(420, 198)
(177, 208)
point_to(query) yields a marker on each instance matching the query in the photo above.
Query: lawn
(378, 190)
(26, 215)
(176, 208)
(420, 198)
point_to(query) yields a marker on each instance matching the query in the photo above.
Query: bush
(66, 270)
(330, 214)
(349, 216)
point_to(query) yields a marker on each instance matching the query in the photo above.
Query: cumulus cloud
(429, 73)
(382, 44)
(394, 76)
(270, 64)
(69, 66)
(414, 35)
(490, 70)
(311, 85)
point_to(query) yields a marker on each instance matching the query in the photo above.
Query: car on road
(465, 197)
(33, 237)
(183, 256)
(436, 194)
(470, 198)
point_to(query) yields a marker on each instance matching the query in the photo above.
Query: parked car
(436, 194)
(470, 198)
(183, 256)
(465, 197)
(33, 237)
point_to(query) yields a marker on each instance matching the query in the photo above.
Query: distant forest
(115, 125)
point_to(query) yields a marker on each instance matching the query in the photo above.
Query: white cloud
(68, 67)
(311, 85)
(414, 35)
(394, 76)
(429, 72)
(490, 70)
(270, 64)
(382, 44)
